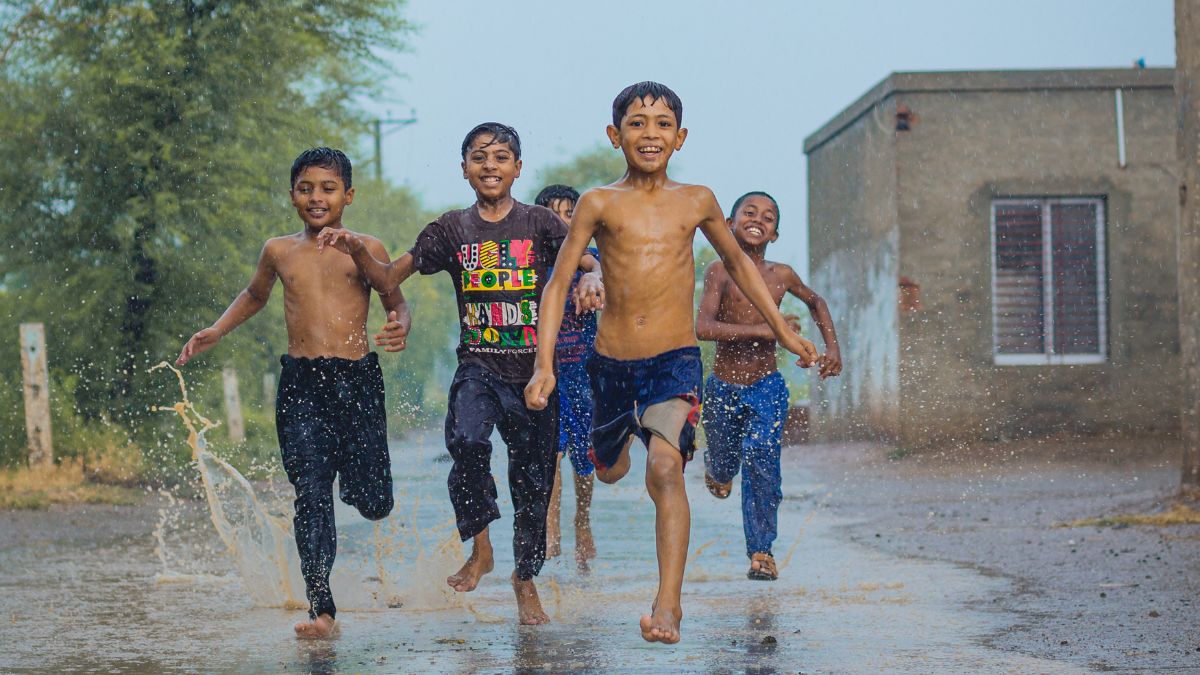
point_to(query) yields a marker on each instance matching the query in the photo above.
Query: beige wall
(853, 239)
(917, 203)
(967, 148)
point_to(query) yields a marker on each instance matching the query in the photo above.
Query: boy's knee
(377, 510)
(663, 469)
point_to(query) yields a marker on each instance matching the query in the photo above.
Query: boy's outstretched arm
(383, 276)
(393, 337)
(252, 299)
(743, 273)
(709, 327)
(831, 361)
(554, 296)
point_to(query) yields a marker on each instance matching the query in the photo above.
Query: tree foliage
(148, 147)
(599, 166)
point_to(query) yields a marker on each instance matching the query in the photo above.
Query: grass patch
(1178, 514)
(65, 483)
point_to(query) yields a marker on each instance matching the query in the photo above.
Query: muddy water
(87, 590)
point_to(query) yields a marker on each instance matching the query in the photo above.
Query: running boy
(645, 374)
(575, 341)
(329, 412)
(497, 251)
(746, 399)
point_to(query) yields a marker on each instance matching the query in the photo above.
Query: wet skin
(325, 298)
(745, 343)
(644, 225)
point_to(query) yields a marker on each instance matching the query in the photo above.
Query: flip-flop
(718, 490)
(767, 571)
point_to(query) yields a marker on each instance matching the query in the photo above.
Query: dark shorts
(623, 390)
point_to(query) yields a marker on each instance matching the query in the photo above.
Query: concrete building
(998, 250)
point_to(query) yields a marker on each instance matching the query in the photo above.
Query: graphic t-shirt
(578, 332)
(499, 270)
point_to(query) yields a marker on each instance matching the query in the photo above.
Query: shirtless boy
(645, 375)
(746, 399)
(329, 412)
(497, 251)
(575, 342)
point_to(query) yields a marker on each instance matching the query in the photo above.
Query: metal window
(1048, 281)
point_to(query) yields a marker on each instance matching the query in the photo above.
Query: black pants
(331, 422)
(480, 401)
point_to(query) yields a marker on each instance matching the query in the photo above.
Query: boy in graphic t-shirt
(497, 251)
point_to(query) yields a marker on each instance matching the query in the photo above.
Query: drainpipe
(1119, 101)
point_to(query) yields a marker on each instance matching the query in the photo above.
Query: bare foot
(529, 605)
(585, 546)
(479, 564)
(320, 627)
(662, 625)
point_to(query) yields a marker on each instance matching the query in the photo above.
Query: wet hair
(501, 133)
(755, 193)
(638, 92)
(325, 158)
(554, 192)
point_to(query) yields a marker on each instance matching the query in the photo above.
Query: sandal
(718, 490)
(767, 571)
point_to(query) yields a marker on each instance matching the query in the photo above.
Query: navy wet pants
(331, 423)
(744, 428)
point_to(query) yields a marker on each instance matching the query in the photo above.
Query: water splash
(260, 542)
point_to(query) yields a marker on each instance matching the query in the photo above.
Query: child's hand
(801, 347)
(393, 337)
(200, 343)
(340, 238)
(537, 392)
(589, 293)
(831, 362)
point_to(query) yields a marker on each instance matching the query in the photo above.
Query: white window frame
(1049, 358)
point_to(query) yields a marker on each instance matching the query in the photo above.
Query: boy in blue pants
(746, 399)
(575, 344)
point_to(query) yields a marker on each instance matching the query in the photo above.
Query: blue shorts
(575, 416)
(622, 390)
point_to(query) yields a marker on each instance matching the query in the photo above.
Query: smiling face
(755, 221)
(320, 196)
(648, 136)
(490, 167)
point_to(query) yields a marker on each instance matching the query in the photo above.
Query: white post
(269, 392)
(37, 394)
(233, 405)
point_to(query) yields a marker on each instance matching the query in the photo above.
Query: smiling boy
(646, 374)
(329, 412)
(746, 399)
(497, 251)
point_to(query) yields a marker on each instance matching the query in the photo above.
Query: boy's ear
(464, 168)
(680, 137)
(614, 136)
(518, 165)
(349, 196)
(774, 236)
(729, 223)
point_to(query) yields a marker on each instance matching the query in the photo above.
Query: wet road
(83, 590)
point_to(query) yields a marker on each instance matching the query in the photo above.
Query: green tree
(599, 166)
(149, 145)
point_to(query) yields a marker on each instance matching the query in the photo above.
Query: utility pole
(377, 131)
(1187, 97)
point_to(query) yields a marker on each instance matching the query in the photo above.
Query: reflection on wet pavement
(78, 593)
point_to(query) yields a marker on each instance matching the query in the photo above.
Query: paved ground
(941, 562)
(1103, 598)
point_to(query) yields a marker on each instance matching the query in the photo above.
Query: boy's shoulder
(780, 268)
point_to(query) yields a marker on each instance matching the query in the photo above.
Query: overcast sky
(755, 77)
